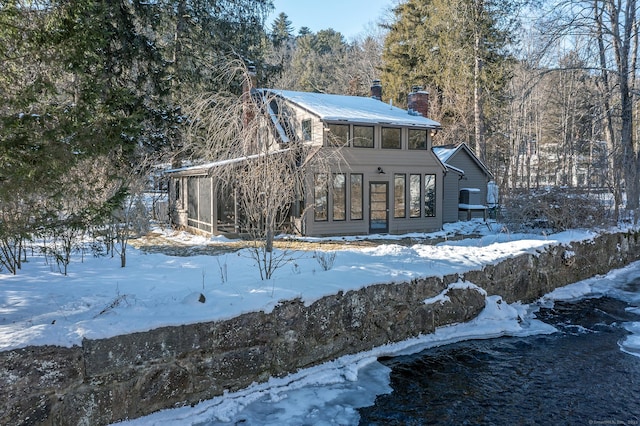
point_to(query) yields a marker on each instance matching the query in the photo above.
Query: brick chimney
(376, 90)
(248, 85)
(249, 111)
(251, 81)
(418, 101)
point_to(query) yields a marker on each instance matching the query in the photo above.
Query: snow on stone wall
(129, 376)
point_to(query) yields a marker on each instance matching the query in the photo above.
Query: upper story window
(338, 135)
(417, 139)
(306, 130)
(363, 136)
(391, 138)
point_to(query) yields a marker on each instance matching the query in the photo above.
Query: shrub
(554, 209)
(326, 259)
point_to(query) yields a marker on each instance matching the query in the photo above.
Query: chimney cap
(376, 90)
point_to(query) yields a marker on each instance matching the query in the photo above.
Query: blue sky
(350, 17)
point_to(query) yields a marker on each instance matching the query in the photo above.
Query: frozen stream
(571, 358)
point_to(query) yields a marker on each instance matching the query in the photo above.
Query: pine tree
(317, 61)
(89, 82)
(196, 40)
(457, 50)
(281, 30)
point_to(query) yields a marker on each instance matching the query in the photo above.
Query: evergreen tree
(303, 31)
(281, 47)
(197, 39)
(89, 82)
(317, 61)
(457, 49)
(281, 30)
(64, 104)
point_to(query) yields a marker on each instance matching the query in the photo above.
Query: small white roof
(355, 109)
(444, 153)
(206, 167)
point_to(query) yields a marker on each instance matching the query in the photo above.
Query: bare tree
(257, 159)
(87, 193)
(608, 32)
(130, 216)
(15, 228)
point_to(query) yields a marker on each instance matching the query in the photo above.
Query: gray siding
(450, 197)
(474, 177)
(366, 161)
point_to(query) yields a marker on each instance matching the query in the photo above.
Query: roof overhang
(206, 169)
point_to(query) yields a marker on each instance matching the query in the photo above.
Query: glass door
(378, 207)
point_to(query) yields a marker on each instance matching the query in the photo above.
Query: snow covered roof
(205, 168)
(355, 109)
(444, 153)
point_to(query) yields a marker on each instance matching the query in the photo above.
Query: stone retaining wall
(128, 376)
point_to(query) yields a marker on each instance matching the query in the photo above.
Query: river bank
(127, 376)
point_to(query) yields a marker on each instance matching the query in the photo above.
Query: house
(389, 180)
(469, 189)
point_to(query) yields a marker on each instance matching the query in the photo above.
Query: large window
(178, 194)
(363, 136)
(192, 195)
(339, 192)
(320, 192)
(306, 130)
(399, 195)
(414, 195)
(199, 213)
(338, 135)
(430, 195)
(417, 139)
(356, 196)
(391, 138)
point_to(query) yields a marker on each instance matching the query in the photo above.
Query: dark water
(578, 376)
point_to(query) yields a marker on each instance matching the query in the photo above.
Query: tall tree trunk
(622, 47)
(613, 157)
(478, 109)
(178, 40)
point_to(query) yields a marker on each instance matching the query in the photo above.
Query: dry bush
(326, 259)
(554, 209)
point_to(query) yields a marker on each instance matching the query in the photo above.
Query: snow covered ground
(99, 299)
(329, 394)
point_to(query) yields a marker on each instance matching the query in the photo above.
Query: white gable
(355, 109)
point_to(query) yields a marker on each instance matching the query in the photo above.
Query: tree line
(95, 92)
(543, 91)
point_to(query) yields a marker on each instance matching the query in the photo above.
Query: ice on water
(330, 394)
